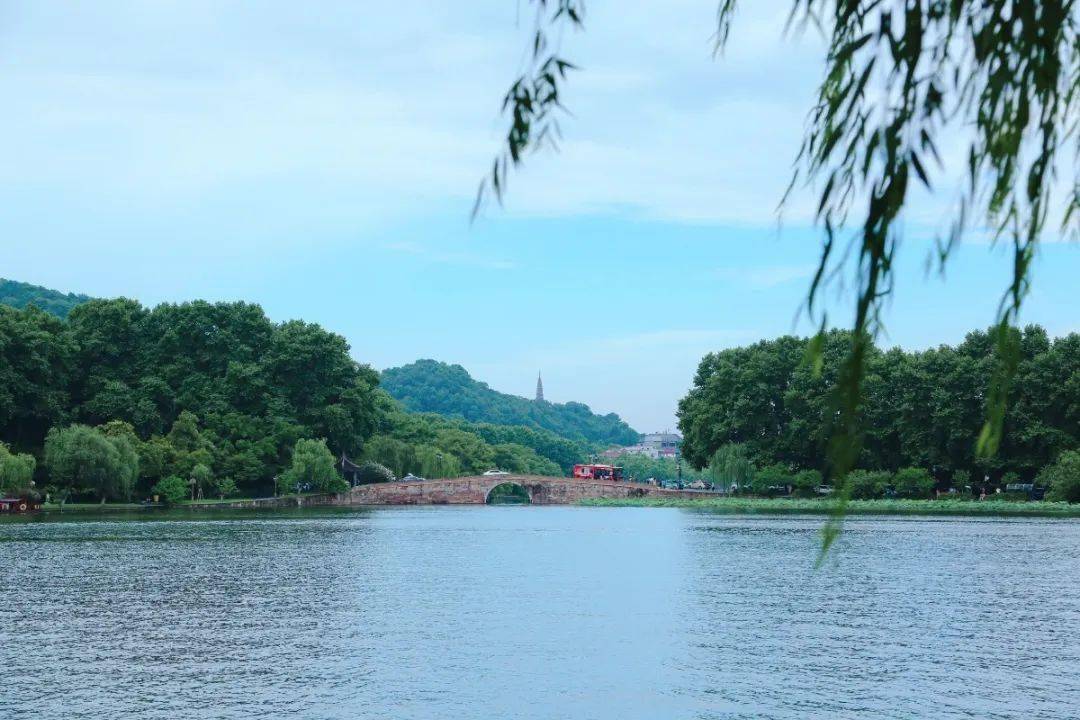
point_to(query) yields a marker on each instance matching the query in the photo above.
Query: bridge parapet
(474, 490)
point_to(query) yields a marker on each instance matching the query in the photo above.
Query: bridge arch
(508, 492)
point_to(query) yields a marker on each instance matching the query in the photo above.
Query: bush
(960, 480)
(171, 490)
(1062, 478)
(768, 480)
(913, 483)
(224, 487)
(868, 484)
(806, 483)
(373, 472)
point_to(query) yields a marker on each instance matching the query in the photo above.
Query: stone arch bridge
(475, 489)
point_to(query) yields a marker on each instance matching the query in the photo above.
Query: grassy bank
(115, 506)
(789, 506)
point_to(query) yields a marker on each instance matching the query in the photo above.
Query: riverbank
(811, 506)
(270, 503)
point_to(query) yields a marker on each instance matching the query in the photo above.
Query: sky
(321, 159)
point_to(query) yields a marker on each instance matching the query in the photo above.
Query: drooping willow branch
(901, 77)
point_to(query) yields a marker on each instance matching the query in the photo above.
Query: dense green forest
(119, 398)
(434, 387)
(19, 295)
(922, 410)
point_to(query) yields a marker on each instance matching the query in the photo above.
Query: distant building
(539, 388)
(662, 441)
(654, 445)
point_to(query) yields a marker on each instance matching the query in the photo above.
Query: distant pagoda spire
(539, 386)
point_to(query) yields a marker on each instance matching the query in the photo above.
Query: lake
(534, 612)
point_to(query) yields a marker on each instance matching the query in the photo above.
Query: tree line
(218, 400)
(921, 410)
(436, 387)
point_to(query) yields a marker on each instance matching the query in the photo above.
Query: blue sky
(320, 159)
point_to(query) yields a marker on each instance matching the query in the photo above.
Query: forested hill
(436, 387)
(19, 295)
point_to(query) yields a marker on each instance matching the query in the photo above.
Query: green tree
(771, 480)
(806, 483)
(171, 490)
(1063, 478)
(224, 487)
(202, 479)
(82, 458)
(868, 484)
(16, 470)
(37, 358)
(913, 483)
(312, 469)
(731, 467)
(373, 472)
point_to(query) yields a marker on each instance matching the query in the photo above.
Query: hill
(436, 387)
(19, 295)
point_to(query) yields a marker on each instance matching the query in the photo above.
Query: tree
(373, 472)
(36, 365)
(770, 479)
(223, 487)
(731, 468)
(867, 484)
(806, 483)
(202, 479)
(1001, 78)
(961, 480)
(172, 490)
(1063, 478)
(82, 458)
(16, 470)
(312, 469)
(913, 483)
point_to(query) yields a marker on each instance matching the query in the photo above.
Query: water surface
(529, 612)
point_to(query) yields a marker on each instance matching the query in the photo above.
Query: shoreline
(809, 506)
(726, 505)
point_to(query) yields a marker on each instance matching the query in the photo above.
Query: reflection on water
(526, 612)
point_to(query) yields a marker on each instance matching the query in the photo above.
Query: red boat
(598, 472)
(14, 504)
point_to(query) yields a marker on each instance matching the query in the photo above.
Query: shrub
(1062, 478)
(960, 480)
(913, 483)
(171, 490)
(224, 487)
(1009, 478)
(868, 484)
(806, 483)
(373, 472)
(768, 480)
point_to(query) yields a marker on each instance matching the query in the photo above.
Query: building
(665, 443)
(539, 388)
(654, 446)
